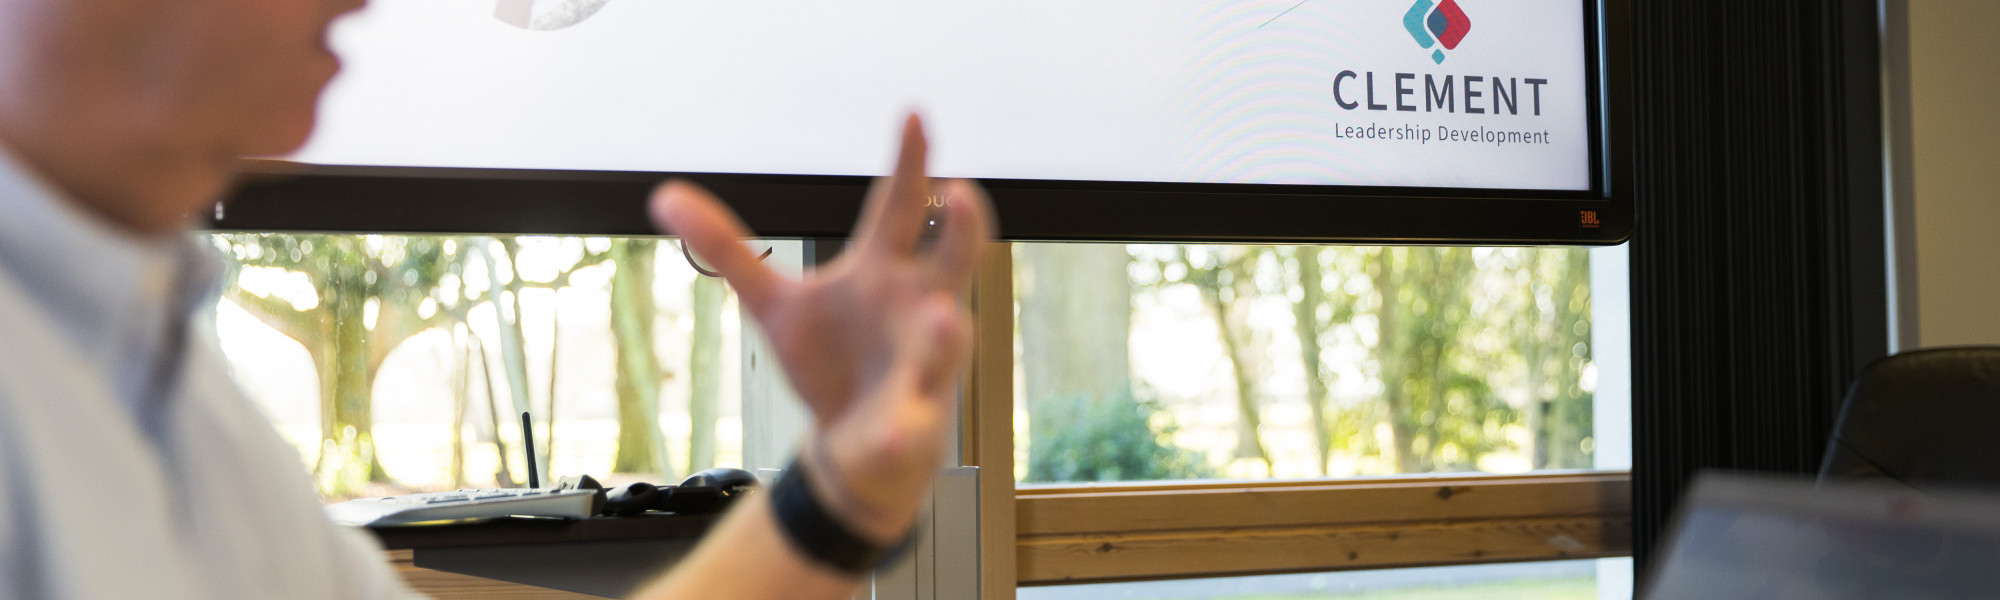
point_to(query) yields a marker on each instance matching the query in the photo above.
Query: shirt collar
(95, 282)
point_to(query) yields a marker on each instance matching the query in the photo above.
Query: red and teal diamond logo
(1437, 24)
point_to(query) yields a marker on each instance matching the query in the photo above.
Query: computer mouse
(710, 491)
(728, 481)
(703, 492)
(635, 498)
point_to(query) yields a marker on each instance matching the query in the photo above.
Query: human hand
(872, 341)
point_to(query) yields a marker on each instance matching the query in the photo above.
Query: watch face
(544, 15)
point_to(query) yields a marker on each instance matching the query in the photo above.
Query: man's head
(139, 109)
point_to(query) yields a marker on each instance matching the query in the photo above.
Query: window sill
(1105, 533)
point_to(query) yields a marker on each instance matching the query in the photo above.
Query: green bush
(1112, 439)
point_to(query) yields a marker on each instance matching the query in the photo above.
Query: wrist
(820, 536)
(875, 522)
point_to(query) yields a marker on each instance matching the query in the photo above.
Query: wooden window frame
(1067, 534)
(1082, 534)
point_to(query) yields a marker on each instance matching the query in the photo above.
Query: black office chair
(1923, 418)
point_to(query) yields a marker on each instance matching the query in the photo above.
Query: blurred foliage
(1224, 275)
(707, 295)
(1472, 352)
(359, 297)
(1320, 305)
(1108, 439)
(1556, 346)
(369, 295)
(1439, 403)
(641, 447)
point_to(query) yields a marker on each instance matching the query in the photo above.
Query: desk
(604, 556)
(611, 556)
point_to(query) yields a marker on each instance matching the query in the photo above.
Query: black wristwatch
(819, 535)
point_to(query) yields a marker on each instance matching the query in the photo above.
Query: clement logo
(1440, 25)
(1437, 23)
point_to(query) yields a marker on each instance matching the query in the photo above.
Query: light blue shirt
(125, 301)
(133, 466)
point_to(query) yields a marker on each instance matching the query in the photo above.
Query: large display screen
(1454, 94)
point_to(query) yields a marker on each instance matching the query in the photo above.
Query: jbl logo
(1590, 220)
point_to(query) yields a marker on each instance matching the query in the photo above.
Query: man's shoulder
(35, 354)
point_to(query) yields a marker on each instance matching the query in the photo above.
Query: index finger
(713, 232)
(893, 220)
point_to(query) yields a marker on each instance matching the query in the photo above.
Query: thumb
(942, 343)
(909, 416)
(918, 394)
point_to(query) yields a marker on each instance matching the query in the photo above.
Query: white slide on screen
(1199, 91)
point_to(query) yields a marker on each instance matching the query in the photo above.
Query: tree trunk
(513, 344)
(1233, 328)
(1533, 341)
(705, 371)
(1076, 322)
(1392, 352)
(1569, 418)
(503, 475)
(641, 448)
(1305, 321)
(460, 402)
(344, 384)
(547, 456)
(1075, 303)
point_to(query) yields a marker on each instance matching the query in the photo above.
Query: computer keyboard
(464, 504)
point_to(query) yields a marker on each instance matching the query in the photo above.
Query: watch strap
(815, 531)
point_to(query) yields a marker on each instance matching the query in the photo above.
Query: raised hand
(873, 341)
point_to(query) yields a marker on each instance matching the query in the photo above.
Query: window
(1185, 411)
(402, 363)
(1151, 402)
(1166, 362)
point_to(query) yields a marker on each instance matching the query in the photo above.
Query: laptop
(1744, 537)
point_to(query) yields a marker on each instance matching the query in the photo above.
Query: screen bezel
(288, 196)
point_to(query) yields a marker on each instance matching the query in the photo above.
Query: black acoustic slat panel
(1757, 256)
